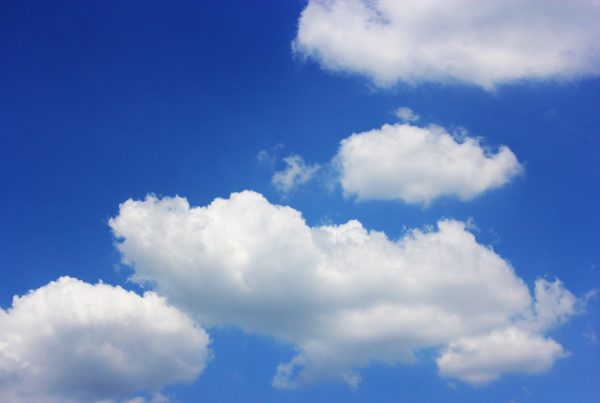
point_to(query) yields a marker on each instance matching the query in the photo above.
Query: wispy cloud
(296, 173)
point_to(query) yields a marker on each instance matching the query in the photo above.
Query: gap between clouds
(408, 163)
(70, 341)
(484, 43)
(340, 295)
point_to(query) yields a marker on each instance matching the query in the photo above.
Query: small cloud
(268, 156)
(296, 173)
(352, 379)
(419, 164)
(406, 114)
(481, 359)
(263, 156)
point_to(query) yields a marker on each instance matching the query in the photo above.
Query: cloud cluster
(343, 296)
(418, 164)
(71, 341)
(485, 43)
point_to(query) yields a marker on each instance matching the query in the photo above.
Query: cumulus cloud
(485, 43)
(296, 173)
(341, 295)
(70, 341)
(482, 359)
(418, 164)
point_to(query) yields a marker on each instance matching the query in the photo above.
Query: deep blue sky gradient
(110, 100)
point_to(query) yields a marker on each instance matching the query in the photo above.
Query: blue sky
(109, 101)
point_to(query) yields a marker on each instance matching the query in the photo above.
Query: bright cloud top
(479, 42)
(73, 341)
(419, 164)
(341, 295)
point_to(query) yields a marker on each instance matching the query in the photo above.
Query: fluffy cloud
(73, 341)
(296, 173)
(485, 358)
(479, 42)
(418, 164)
(341, 295)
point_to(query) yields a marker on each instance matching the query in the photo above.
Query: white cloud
(419, 164)
(342, 296)
(482, 359)
(479, 42)
(406, 114)
(296, 173)
(553, 304)
(73, 341)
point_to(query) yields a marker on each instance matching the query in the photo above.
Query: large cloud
(483, 42)
(418, 164)
(341, 295)
(73, 341)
